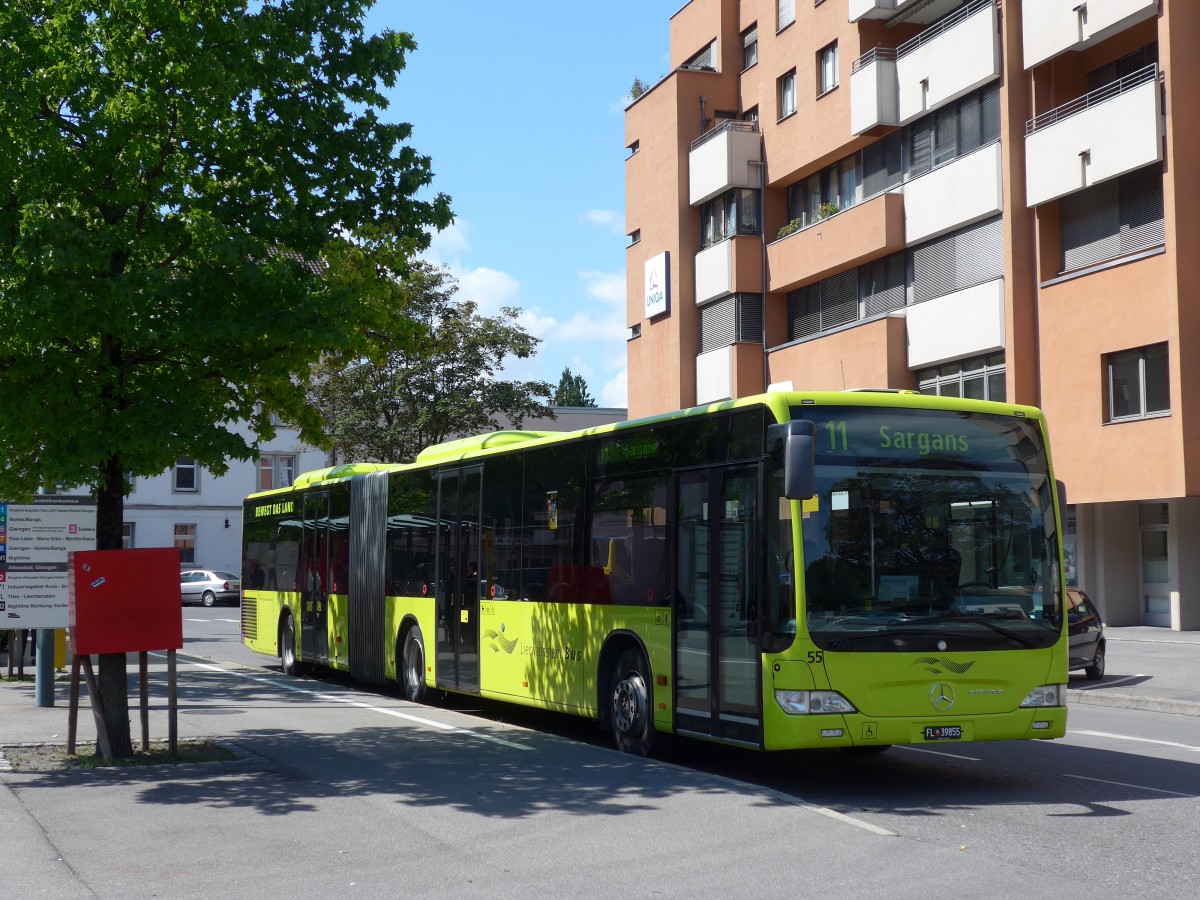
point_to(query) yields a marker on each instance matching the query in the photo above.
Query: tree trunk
(114, 689)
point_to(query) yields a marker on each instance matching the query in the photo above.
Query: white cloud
(605, 218)
(490, 289)
(615, 392)
(447, 246)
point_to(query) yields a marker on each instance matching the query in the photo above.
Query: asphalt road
(350, 790)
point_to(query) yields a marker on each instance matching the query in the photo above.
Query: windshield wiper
(999, 629)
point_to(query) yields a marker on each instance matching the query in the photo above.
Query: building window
(276, 471)
(704, 60)
(634, 147)
(785, 13)
(750, 115)
(1112, 219)
(635, 236)
(187, 475)
(787, 94)
(185, 543)
(1138, 383)
(827, 69)
(978, 378)
(734, 319)
(750, 46)
(127, 536)
(952, 131)
(635, 331)
(734, 212)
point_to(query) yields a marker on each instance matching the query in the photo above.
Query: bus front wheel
(631, 717)
(414, 665)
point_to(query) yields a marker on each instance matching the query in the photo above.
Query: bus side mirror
(794, 446)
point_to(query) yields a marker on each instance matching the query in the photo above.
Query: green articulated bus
(852, 569)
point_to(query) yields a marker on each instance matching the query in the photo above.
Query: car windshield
(929, 524)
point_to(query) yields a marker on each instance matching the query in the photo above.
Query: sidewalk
(1154, 669)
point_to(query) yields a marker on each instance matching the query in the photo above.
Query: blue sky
(520, 105)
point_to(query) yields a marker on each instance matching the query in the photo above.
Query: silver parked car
(209, 587)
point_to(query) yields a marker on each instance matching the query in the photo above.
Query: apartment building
(986, 198)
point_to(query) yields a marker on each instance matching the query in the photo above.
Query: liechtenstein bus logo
(936, 665)
(499, 643)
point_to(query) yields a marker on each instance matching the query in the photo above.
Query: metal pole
(44, 673)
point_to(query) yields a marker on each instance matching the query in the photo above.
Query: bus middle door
(315, 584)
(459, 499)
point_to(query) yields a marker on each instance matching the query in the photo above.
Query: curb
(1131, 701)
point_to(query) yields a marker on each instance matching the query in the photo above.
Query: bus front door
(459, 499)
(717, 692)
(315, 584)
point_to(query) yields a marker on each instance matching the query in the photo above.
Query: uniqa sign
(658, 284)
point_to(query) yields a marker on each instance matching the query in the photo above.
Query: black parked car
(1085, 632)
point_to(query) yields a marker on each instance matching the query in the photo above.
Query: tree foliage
(175, 176)
(572, 390)
(434, 379)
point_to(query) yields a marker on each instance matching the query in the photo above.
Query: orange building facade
(985, 198)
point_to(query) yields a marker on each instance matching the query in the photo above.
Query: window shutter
(717, 325)
(882, 167)
(1141, 199)
(804, 312)
(749, 318)
(883, 285)
(958, 260)
(787, 12)
(1090, 225)
(839, 300)
(919, 148)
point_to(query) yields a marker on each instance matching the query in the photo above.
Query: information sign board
(35, 539)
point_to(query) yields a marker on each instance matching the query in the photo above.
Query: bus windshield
(928, 526)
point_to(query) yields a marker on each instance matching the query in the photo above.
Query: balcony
(734, 264)
(897, 11)
(950, 58)
(849, 238)
(965, 323)
(1108, 132)
(729, 372)
(724, 157)
(964, 191)
(1052, 27)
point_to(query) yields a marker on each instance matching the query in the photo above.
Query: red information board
(124, 601)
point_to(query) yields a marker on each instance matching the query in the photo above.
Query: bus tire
(287, 647)
(631, 711)
(413, 666)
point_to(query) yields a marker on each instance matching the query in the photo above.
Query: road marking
(452, 729)
(1140, 740)
(1136, 787)
(1108, 684)
(937, 752)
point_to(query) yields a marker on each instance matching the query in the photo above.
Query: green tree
(197, 198)
(433, 379)
(572, 390)
(637, 88)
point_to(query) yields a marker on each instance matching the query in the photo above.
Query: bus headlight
(1046, 695)
(804, 703)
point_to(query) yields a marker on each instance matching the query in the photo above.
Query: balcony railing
(1093, 98)
(725, 125)
(935, 30)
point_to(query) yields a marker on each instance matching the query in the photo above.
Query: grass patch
(54, 757)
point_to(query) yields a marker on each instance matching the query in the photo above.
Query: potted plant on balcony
(825, 210)
(789, 228)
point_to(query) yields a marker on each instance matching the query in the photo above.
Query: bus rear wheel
(630, 712)
(287, 647)
(413, 666)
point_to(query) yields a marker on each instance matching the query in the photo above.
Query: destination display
(915, 434)
(35, 539)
